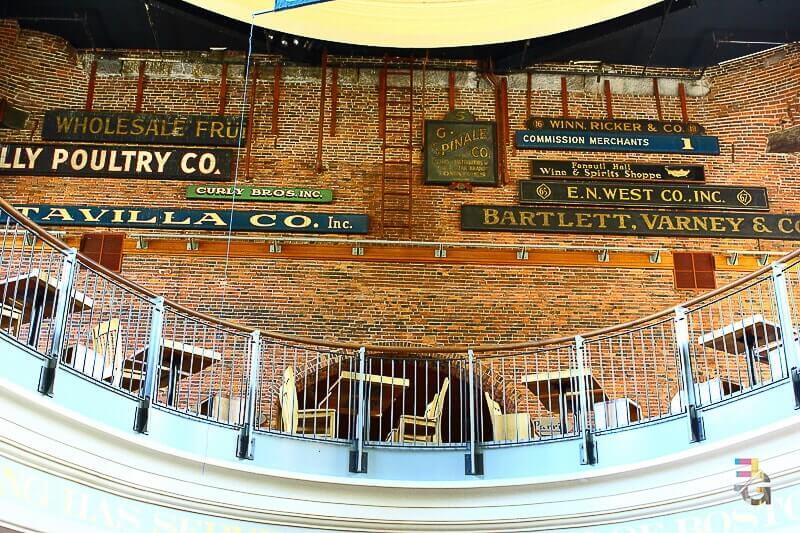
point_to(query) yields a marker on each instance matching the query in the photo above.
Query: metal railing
(76, 314)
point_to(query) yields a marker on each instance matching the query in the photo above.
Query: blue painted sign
(195, 219)
(289, 4)
(617, 142)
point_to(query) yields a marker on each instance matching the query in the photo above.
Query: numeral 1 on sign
(687, 143)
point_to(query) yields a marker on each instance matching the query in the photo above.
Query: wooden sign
(630, 222)
(617, 142)
(639, 194)
(457, 151)
(260, 194)
(141, 128)
(615, 125)
(195, 219)
(616, 171)
(83, 160)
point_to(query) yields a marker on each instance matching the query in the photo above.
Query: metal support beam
(657, 96)
(251, 119)
(47, 375)
(334, 98)
(358, 457)
(696, 430)
(90, 89)
(682, 95)
(276, 97)
(564, 97)
(609, 99)
(588, 446)
(223, 88)
(140, 87)
(473, 461)
(451, 94)
(245, 443)
(321, 126)
(786, 323)
(152, 365)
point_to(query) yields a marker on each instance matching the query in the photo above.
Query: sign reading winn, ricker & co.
(641, 194)
(141, 128)
(195, 219)
(616, 170)
(630, 222)
(615, 125)
(260, 194)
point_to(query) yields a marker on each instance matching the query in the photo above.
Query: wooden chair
(303, 421)
(509, 426)
(425, 428)
(104, 360)
(10, 319)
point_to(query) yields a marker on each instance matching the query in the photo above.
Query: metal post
(473, 461)
(696, 430)
(245, 442)
(358, 457)
(152, 365)
(588, 446)
(47, 376)
(790, 348)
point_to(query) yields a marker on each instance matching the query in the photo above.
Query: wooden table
(745, 337)
(178, 359)
(388, 387)
(35, 295)
(616, 413)
(558, 391)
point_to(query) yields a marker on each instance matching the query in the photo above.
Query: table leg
(751, 366)
(172, 380)
(36, 324)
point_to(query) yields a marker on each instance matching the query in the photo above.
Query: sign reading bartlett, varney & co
(617, 142)
(616, 170)
(195, 219)
(640, 194)
(260, 194)
(615, 125)
(460, 151)
(143, 128)
(630, 222)
(79, 160)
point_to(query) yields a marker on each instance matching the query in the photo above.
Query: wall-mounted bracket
(603, 255)
(440, 251)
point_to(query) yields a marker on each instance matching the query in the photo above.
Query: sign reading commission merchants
(78, 160)
(614, 125)
(143, 128)
(260, 194)
(195, 219)
(616, 171)
(617, 142)
(630, 222)
(639, 194)
(460, 151)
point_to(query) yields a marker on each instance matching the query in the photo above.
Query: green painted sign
(260, 194)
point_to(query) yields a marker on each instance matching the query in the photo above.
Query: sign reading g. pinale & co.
(195, 219)
(141, 128)
(260, 194)
(615, 125)
(641, 194)
(630, 222)
(616, 170)
(460, 149)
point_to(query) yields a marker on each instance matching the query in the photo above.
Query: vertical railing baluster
(790, 348)
(358, 458)
(63, 300)
(245, 443)
(682, 340)
(152, 365)
(588, 449)
(474, 460)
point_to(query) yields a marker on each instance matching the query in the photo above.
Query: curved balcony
(152, 402)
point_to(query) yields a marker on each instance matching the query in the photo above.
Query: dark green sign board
(460, 152)
(141, 128)
(640, 194)
(260, 194)
(616, 171)
(104, 161)
(195, 219)
(615, 125)
(630, 222)
(617, 142)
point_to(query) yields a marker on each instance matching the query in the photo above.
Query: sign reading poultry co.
(195, 219)
(145, 128)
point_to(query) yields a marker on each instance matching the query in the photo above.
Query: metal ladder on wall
(397, 131)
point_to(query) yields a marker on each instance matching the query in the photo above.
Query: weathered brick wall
(420, 303)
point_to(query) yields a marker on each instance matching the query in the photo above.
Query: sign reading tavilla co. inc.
(195, 219)
(260, 194)
(145, 128)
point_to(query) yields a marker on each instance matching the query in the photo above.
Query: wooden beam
(564, 98)
(334, 98)
(223, 88)
(90, 89)
(682, 94)
(140, 88)
(276, 96)
(657, 95)
(609, 104)
(321, 127)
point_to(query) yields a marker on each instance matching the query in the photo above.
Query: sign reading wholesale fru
(195, 219)
(630, 222)
(260, 194)
(616, 171)
(614, 125)
(639, 194)
(76, 160)
(144, 128)
(617, 142)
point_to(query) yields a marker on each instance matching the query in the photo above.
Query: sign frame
(430, 125)
(645, 168)
(632, 125)
(602, 142)
(244, 193)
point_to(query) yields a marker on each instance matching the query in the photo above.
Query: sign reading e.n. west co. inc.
(195, 219)
(630, 222)
(460, 151)
(641, 194)
(78, 160)
(260, 194)
(616, 170)
(617, 142)
(615, 125)
(143, 128)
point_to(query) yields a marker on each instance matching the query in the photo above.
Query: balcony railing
(80, 316)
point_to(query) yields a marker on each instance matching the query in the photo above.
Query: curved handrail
(383, 348)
